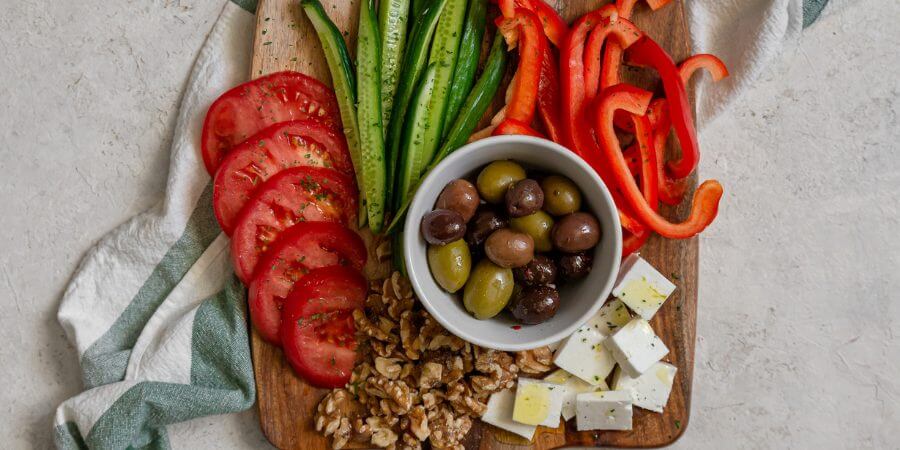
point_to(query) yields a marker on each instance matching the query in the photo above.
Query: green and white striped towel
(156, 315)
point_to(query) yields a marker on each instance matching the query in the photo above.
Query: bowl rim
(410, 223)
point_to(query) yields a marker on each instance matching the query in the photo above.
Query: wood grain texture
(285, 40)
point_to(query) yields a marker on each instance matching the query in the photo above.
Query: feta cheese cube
(499, 413)
(571, 386)
(650, 390)
(584, 356)
(604, 410)
(538, 403)
(636, 347)
(642, 287)
(612, 316)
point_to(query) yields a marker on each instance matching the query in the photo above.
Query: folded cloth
(747, 35)
(156, 315)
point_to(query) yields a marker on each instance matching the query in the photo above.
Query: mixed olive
(523, 236)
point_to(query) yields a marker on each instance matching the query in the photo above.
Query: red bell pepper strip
(548, 97)
(513, 126)
(647, 52)
(555, 27)
(656, 4)
(612, 55)
(713, 65)
(633, 242)
(525, 29)
(576, 130)
(706, 199)
(671, 191)
(647, 168)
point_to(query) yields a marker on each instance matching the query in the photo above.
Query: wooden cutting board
(285, 40)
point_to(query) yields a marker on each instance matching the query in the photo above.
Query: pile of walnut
(415, 381)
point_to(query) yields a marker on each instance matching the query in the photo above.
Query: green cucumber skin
(418, 6)
(342, 78)
(392, 22)
(443, 55)
(467, 60)
(472, 111)
(414, 159)
(414, 62)
(369, 115)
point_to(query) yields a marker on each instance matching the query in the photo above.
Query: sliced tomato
(279, 147)
(318, 333)
(324, 282)
(300, 249)
(298, 194)
(248, 108)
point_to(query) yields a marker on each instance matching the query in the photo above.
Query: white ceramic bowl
(578, 300)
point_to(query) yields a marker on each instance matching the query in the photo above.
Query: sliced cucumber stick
(369, 115)
(466, 61)
(415, 156)
(393, 16)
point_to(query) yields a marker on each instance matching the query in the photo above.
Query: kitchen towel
(158, 319)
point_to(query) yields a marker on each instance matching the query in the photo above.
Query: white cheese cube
(612, 316)
(538, 403)
(642, 287)
(636, 347)
(604, 410)
(650, 390)
(584, 356)
(571, 386)
(499, 413)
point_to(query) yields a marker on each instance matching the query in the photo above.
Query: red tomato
(266, 316)
(298, 194)
(318, 333)
(248, 108)
(301, 248)
(281, 146)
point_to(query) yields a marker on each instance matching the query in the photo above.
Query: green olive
(561, 195)
(488, 290)
(450, 264)
(538, 226)
(495, 179)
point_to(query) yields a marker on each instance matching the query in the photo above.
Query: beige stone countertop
(799, 311)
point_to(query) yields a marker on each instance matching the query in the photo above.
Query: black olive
(485, 222)
(534, 305)
(523, 198)
(443, 226)
(575, 266)
(541, 270)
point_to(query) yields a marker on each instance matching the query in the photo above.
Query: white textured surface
(799, 301)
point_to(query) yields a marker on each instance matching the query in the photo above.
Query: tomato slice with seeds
(317, 331)
(248, 108)
(299, 249)
(266, 315)
(298, 194)
(279, 147)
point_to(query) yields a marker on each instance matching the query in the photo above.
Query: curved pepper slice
(647, 52)
(575, 128)
(671, 191)
(555, 27)
(513, 126)
(647, 167)
(612, 54)
(548, 96)
(706, 199)
(524, 29)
